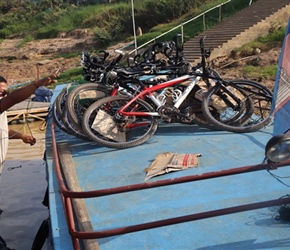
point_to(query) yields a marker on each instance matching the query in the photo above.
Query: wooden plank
(38, 116)
(22, 112)
(27, 111)
(83, 218)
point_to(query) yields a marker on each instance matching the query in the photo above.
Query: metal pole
(37, 71)
(182, 34)
(134, 28)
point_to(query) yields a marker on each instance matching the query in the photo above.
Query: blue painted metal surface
(99, 168)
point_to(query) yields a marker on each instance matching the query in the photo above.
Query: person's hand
(47, 80)
(28, 139)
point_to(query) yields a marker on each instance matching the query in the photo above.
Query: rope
(279, 177)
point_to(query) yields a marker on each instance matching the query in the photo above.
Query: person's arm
(25, 138)
(21, 94)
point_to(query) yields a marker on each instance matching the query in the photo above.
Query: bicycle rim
(60, 116)
(103, 125)
(262, 99)
(254, 115)
(57, 119)
(57, 111)
(80, 98)
(72, 130)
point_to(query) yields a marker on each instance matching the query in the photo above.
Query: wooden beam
(23, 114)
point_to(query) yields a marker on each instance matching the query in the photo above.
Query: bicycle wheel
(60, 116)
(80, 98)
(70, 127)
(254, 99)
(262, 98)
(57, 111)
(57, 118)
(192, 107)
(103, 125)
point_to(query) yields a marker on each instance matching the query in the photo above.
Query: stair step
(233, 26)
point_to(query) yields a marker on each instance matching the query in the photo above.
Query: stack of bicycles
(125, 106)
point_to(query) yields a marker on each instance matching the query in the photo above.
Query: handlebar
(121, 54)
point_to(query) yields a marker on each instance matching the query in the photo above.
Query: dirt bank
(39, 58)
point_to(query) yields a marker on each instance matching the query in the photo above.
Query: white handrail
(181, 25)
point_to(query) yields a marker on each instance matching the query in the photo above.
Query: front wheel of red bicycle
(104, 125)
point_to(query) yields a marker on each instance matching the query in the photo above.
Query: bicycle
(94, 69)
(127, 121)
(84, 95)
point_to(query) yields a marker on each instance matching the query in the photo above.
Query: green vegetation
(112, 23)
(73, 75)
(26, 39)
(253, 69)
(257, 72)
(274, 38)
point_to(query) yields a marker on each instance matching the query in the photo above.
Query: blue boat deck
(213, 197)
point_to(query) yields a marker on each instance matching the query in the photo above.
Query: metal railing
(182, 25)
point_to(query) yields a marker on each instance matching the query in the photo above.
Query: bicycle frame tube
(186, 92)
(148, 91)
(115, 90)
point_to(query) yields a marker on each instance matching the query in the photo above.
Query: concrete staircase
(243, 27)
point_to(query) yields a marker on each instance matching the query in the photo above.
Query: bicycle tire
(260, 95)
(133, 137)
(199, 117)
(192, 106)
(60, 116)
(77, 101)
(244, 112)
(251, 121)
(57, 114)
(245, 115)
(60, 101)
(56, 118)
(72, 130)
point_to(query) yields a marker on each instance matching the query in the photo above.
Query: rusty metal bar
(66, 201)
(182, 219)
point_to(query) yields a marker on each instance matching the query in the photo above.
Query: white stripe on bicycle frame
(186, 92)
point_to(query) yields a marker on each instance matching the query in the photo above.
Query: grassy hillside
(112, 23)
(109, 23)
